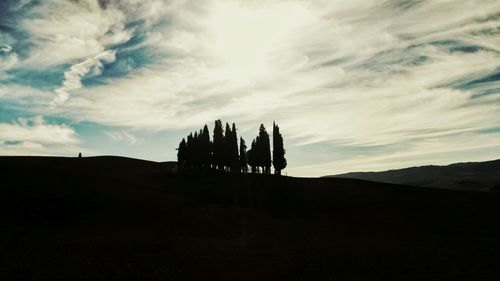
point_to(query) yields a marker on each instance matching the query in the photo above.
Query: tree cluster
(197, 152)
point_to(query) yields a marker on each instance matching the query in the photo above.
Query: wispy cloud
(67, 31)
(73, 77)
(122, 136)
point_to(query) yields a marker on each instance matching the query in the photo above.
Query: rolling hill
(473, 176)
(114, 218)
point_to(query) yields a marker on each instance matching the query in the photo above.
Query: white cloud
(36, 100)
(73, 77)
(33, 136)
(66, 31)
(8, 58)
(37, 130)
(5, 49)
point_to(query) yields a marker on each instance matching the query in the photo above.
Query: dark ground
(111, 218)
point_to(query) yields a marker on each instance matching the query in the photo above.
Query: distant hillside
(96, 165)
(474, 176)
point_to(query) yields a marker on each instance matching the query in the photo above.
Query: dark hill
(111, 218)
(473, 176)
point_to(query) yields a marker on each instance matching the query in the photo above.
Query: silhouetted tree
(227, 148)
(205, 147)
(218, 146)
(252, 157)
(197, 152)
(243, 156)
(189, 151)
(181, 155)
(233, 150)
(197, 155)
(264, 150)
(279, 160)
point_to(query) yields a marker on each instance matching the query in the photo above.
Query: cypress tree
(205, 147)
(218, 145)
(252, 157)
(243, 156)
(279, 160)
(264, 148)
(189, 151)
(196, 151)
(233, 150)
(227, 148)
(257, 154)
(181, 155)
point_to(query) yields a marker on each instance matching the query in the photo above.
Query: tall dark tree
(218, 146)
(243, 156)
(252, 157)
(205, 147)
(264, 150)
(181, 155)
(196, 151)
(279, 160)
(227, 148)
(189, 151)
(233, 150)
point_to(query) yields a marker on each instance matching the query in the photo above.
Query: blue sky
(354, 85)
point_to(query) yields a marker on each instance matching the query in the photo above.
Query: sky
(359, 85)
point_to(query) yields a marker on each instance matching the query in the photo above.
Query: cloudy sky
(354, 85)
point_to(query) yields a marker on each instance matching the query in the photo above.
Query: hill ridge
(481, 176)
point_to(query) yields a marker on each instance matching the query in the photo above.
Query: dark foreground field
(110, 218)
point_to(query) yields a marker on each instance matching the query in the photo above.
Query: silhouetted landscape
(136, 140)
(115, 218)
(474, 176)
